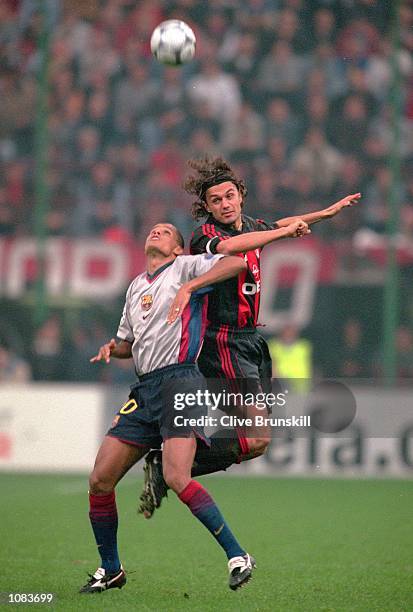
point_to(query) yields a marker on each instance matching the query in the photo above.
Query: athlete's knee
(100, 483)
(175, 478)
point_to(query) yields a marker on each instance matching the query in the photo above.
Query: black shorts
(242, 359)
(236, 354)
(147, 418)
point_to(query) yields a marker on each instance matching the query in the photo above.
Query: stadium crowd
(295, 94)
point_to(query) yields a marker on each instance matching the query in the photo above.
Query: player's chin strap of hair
(216, 180)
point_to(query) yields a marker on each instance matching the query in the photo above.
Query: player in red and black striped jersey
(232, 346)
(233, 310)
(237, 303)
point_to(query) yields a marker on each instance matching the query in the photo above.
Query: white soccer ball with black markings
(173, 42)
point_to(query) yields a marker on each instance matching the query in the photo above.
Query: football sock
(205, 510)
(222, 453)
(103, 516)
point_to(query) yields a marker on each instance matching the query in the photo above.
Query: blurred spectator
(290, 30)
(202, 117)
(242, 59)
(84, 343)
(98, 57)
(281, 72)
(282, 122)
(406, 26)
(350, 132)
(383, 128)
(8, 221)
(218, 89)
(48, 353)
(357, 85)
(13, 369)
(332, 67)
(12, 102)
(135, 97)
(374, 152)
(101, 187)
(57, 222)
(375, 207)
(317, 111)
(292, 358)
(404, 347)
(99, 116)
(73, 31)
(323, 28)
(244, 133)
(316, 157)
(271, 198)
(88, 148)
(169, 162)
(200, 141)
(351, 357)
(67, 121)
(305, 196)
(404, 355)
(378, 73)
(358, 40)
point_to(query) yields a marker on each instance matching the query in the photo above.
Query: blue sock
(103, 516)
(205, 509)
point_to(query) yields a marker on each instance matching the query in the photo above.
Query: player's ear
(178, 250)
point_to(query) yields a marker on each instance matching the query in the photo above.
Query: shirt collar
(151, 277)
(211, 219)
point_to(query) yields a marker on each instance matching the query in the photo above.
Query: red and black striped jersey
(234, 302)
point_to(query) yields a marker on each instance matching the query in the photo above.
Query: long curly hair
(209, 172)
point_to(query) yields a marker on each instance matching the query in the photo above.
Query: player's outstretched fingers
(105, 352)
(355, 198)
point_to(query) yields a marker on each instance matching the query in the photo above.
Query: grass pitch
(324, 545)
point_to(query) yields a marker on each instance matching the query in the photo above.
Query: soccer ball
(173, 42)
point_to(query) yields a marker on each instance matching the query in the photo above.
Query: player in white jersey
(161, 328)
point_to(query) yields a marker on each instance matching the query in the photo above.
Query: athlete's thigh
(178, 454)
(115, 458)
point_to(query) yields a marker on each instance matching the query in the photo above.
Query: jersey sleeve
(261, 226)
(195, 265)
(206, 238)
(125, 330)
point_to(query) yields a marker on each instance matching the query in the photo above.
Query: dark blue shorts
(147, 418)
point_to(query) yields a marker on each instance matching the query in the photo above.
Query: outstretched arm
(256, 240)
(326, 213)
(121, 350)
(225, 268)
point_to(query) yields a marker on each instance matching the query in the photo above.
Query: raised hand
(349, 200)
(105, 352)
(178, 304)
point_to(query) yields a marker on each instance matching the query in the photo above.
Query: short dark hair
(209, 172)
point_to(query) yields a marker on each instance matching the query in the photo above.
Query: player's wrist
(190, 286)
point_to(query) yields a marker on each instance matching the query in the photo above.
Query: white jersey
(155, 344)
